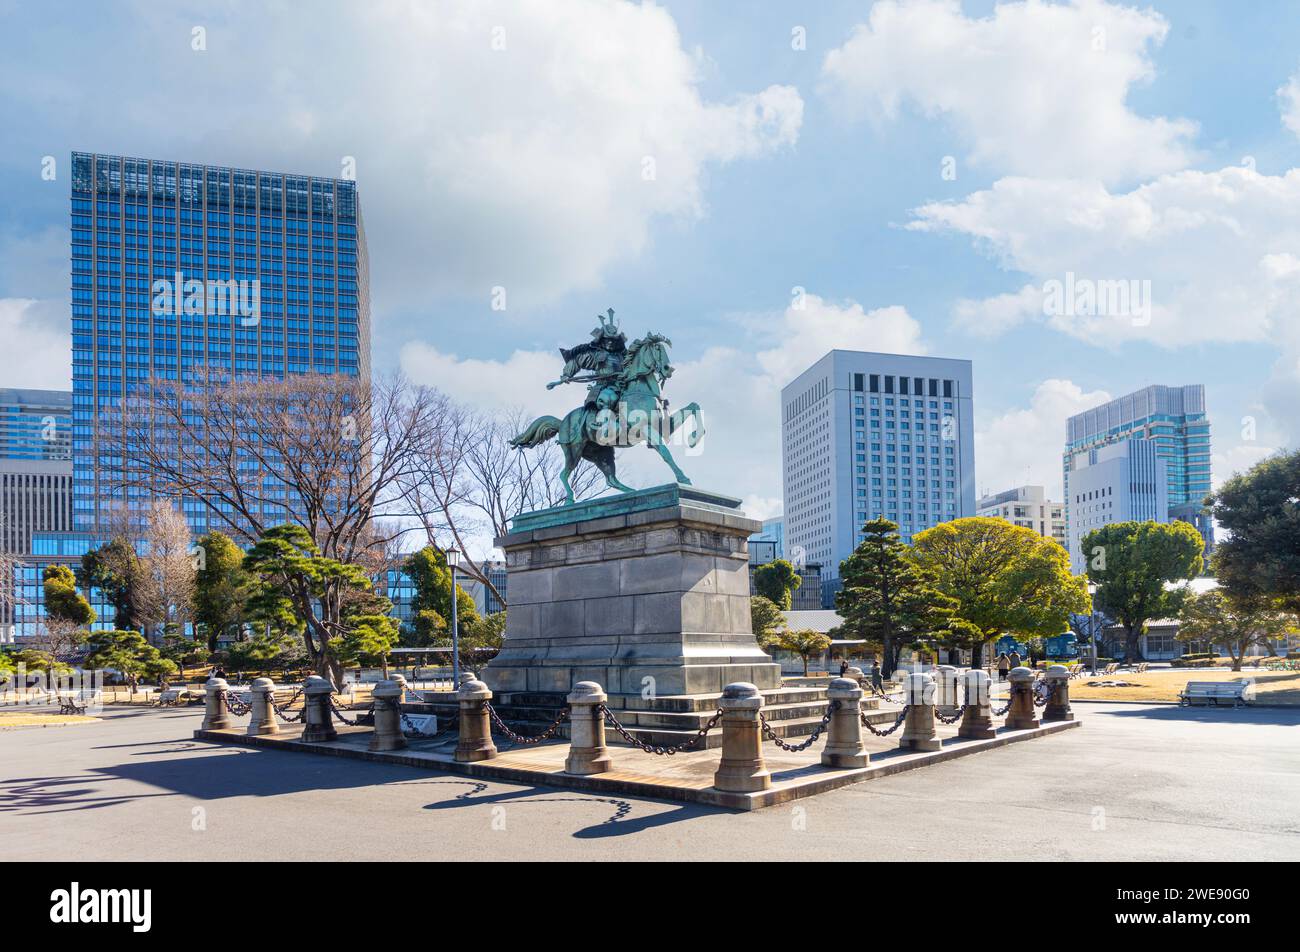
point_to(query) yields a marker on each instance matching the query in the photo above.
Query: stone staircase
(793, 712)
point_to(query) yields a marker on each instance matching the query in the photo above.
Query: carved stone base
(645, 593)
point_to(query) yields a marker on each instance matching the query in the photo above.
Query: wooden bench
(76, 702)
(1214, 692)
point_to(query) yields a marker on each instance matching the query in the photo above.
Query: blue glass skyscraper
(181, 271)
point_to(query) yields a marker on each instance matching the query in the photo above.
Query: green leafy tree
(482, 639)
(114, 569)
(62, 600)
(1004, 579)
(766, 618)
(804, 642)
(1261, 511)
(1131, 564)
(332, 603)
(128, 653)
(222, 589)
(431, 606)
(887, 599)
(1235, 624)
(777, 581)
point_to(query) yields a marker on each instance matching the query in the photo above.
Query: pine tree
(887, 599)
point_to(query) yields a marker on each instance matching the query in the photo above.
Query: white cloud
(1034, 89)
(989, 317)
(496, 143)
(1288, 99)
(38, 348)
(738, 389)
(1023, 446)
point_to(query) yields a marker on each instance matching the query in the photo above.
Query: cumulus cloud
(37, 343)
(528, 146)
(738, 388)
(1023, 445)
(1033, 89)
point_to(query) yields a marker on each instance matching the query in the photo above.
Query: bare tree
(469, 481)
(321, 452)
(165, 596)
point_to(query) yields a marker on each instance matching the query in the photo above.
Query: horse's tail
(538, 432)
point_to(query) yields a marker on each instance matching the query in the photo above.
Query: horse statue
(624, 406)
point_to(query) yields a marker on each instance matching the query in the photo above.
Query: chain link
(652, 748)
(334, 708)
(943, 719)
(280, 709)
(520, 738)
(770, 734)
(238, 708)
(898, 722)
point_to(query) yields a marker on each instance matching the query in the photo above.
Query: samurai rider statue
(624, 405)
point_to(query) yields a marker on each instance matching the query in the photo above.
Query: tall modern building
(1174, 419)
(181, 270)
(35, 482)
(1029, 507)
(1125, 481)
(866, 435)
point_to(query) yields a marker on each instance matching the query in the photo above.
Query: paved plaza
(1135, 782)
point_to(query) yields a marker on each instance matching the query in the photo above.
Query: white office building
(1029, 507)
(866, 435)
(1119, 482)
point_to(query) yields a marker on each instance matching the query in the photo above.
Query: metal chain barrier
(998, 712)
(898, 722)
(281, 709)
(520, 738)
(236, 707)
(770, 734)
(652, 748)
(334, 708)
(943, 719)
(1042, 697)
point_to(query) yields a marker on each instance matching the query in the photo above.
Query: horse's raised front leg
(676, 420)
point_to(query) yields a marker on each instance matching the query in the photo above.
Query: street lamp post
(453, 560)
(1092, 624)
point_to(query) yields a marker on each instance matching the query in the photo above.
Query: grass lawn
(15, 719)
(1271, 687)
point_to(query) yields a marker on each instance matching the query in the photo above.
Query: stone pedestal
(844, 747)
(645, 593)
(1058, 701)
(977, 715)
(742, 769)
(1021, 715)
(475, 740)
(318, 721)
(215, 715)
(262, 720)
(587, 751)
(388, 716)
(918, 729)
(946, 682)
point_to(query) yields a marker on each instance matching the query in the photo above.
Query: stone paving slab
(683, 777)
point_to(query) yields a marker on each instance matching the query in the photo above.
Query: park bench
(1213, 692)
(1110, 668)
(76, 702)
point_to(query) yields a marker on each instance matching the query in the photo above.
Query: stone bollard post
(946, 678)
(1058, 701)
(475, 728)
(215, 715)
(742, 769)
(844, 742)
(918, 729)
(977, 713)
(587, 751)
(387, 696)
(1021, 716)
(263, 714)
(317, 718)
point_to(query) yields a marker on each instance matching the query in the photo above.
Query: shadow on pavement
(1202, 714)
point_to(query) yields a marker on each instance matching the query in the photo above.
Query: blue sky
(505, 145)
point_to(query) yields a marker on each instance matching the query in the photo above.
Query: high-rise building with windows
(1125, 481)
(1174, 420)
(866, 435)
(1028, 507)
(181, 271)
